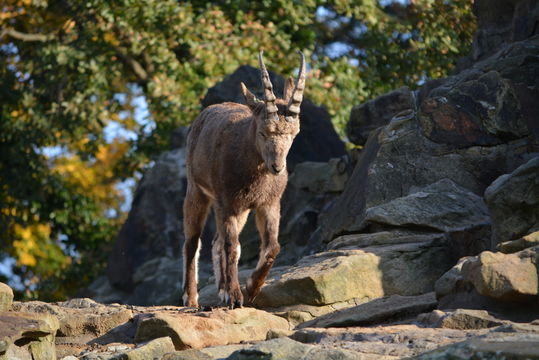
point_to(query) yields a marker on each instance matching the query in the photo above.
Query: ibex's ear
(288, 88)
(250, 98)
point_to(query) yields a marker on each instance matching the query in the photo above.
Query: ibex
(236, 162)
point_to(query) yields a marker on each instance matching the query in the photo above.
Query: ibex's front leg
(219, 257)
(195, 210)
(267, 222)
(229, 228)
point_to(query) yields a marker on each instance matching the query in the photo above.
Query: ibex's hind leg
(195, 211)
(219, 264)
(267, 222)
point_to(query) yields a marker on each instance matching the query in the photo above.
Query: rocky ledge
(391, 327)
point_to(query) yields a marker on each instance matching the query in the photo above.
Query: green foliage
(70, 69)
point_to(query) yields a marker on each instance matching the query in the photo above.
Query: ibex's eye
(262, 134)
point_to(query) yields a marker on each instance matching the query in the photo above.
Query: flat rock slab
(389, 308)
(461, 319)
(384, 342)
(218, 327)
(284, 348)
(518, 346)
(80, 316)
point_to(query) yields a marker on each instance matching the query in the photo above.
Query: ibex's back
(236, 161)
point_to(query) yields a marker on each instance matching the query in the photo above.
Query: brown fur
(236, 162)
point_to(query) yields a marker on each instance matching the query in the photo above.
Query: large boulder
(361, 270)
(494, 281)
(317, 140)
(27, 336)
(6, 297)
(219, 327)
(513, 201)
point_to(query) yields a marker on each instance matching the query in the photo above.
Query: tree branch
(26, 37)
(137, 68)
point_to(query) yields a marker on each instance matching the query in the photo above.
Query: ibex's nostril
(275, 169)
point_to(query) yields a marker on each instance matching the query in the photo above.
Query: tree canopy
(74, 72)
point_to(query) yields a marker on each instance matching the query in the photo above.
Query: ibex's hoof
(191, 303)
(234, 299)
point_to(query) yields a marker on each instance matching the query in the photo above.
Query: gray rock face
(470, 128)
(501, 22)
(513, 201)
(154, 224)
(373, 114)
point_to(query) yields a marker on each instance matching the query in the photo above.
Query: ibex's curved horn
(297, 94)
(269, 97)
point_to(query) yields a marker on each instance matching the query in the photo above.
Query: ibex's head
(277, 119)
